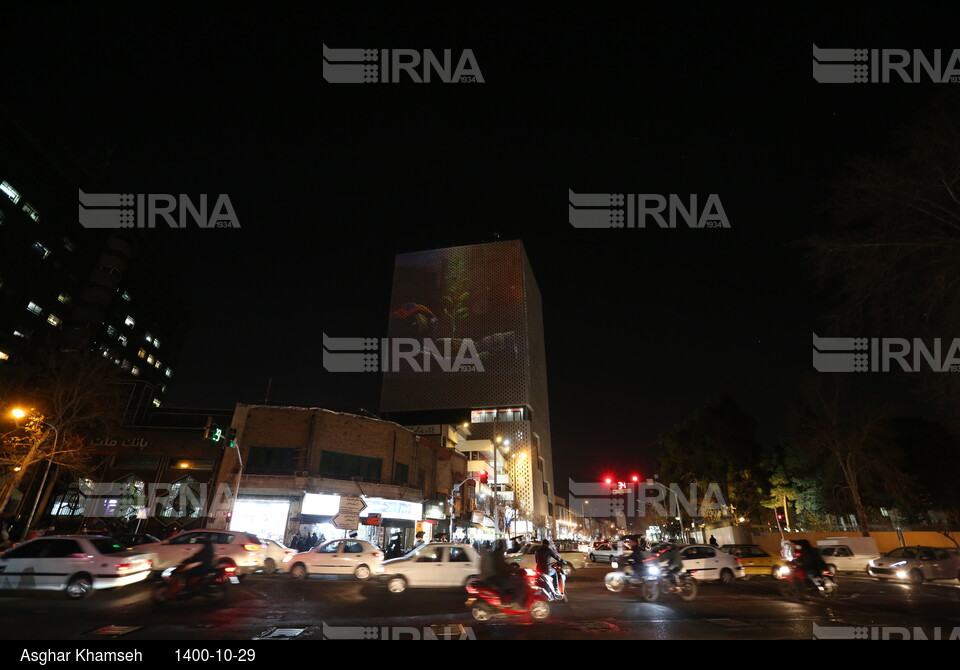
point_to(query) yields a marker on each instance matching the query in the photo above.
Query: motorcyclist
(809, 560)
(670, 558)
(543, 555)
(194, 566)
(635, 557)
(504, 577)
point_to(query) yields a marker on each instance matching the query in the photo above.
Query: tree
(66, 396)
(849, 445)
(892, 255)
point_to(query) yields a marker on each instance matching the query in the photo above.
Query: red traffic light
(636, 478)
(608, 480)
(483, 476)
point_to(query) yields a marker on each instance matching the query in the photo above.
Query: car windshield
(106, 545)
(903, 552)
(826, 551)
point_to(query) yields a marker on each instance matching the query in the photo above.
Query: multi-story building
(70, 287)
(294, 464)
(473, 316)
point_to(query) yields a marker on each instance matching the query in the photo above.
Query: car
(707, 563)
(358, 558)
(755, 560)
(603, 552)
(917, 564)
(239, 550)
(848, 554)
(274, 555)
(433, 565)
(132, 540)
(568, 552)
(77, 564)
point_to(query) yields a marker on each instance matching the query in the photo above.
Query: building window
(4, 356)
(10, 191)
(130, 321)
(135, 371)
(401, 473)
(42, 250)
(53, 319)
(31, 212)
(25, 334)
(169, 372)
(68, 245)
(150, 359)
(125, 365)
(271, 460)
(142, 353)
(35, 308)
(122, 339)
(148, 337)
(156, 342)
(157, 364)
(156, 402)
(125, 296)
(64, 298)
(346, 466)
(111, 331)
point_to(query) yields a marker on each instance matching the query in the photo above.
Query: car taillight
(251, 547)
(472, 589)
(122, 567)
(378, 554)
(230, 569)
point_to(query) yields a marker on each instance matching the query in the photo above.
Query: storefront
(380, 521)
(264, 517)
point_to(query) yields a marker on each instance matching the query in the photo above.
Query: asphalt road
(277, 606)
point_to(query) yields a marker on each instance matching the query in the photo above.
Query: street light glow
(18, 413)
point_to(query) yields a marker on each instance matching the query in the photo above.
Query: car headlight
(784, 570)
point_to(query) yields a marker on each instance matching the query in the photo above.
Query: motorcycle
(653, 582)
(557, 590)
(794, 584)
(485, 601)
(212, 585)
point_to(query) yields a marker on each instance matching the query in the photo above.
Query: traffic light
(211, 431)
(635, 478)
(483, 476)
(781, 516)
(232, 438)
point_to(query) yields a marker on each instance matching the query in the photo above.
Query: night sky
(330, 182)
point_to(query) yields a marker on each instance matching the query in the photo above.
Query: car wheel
(916, 577)
(615, 582)
(396, 585)
(269, 566)
(469, 579)
(481, 613)
(726, 577)
(79, 587)
(593, 558)
(775, 572)
(299, 571)
(362, 572)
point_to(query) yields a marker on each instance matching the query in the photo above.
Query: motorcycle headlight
(653, 570)
(614, 564)
(784, 570)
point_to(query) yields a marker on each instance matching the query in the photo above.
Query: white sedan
(359, 558)
(527, 559)
(434, 565)
(75, 563)
(274, 555)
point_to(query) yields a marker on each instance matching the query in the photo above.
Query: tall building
(76, 288)
(482, 302)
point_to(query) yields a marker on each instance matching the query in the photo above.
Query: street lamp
(19, 414)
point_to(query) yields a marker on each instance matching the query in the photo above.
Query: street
(277, 606)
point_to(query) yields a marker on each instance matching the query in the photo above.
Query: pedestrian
(713, 541)
(313, 540)
(419, 542)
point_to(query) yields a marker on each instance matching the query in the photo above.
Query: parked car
(917, 564)
(359, 558)
(77, 564)
(755, 560)
(568, 552)
(242, 551)
(274, 555)
(434, 565)
(848, 554)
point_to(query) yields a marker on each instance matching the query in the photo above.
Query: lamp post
(20, 470)
(43, 482)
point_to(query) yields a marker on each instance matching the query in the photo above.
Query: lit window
(24, 334)
(40, 249)
(156, 402)
(169, 372)
(4, 357)
(64, 298)
(35, 308)
(31, 212)
(10, 191)
(105, 351)
(156, 343)
(148, 337)
(135, 371)
(130, 321)
(163, 389)
(125, 365)
(142, 353)
(116, 361)
(68, 245)
(157, 366)
(53, 319)
(125, 296)
(122, 340)
(111, 331)
(150, 359)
